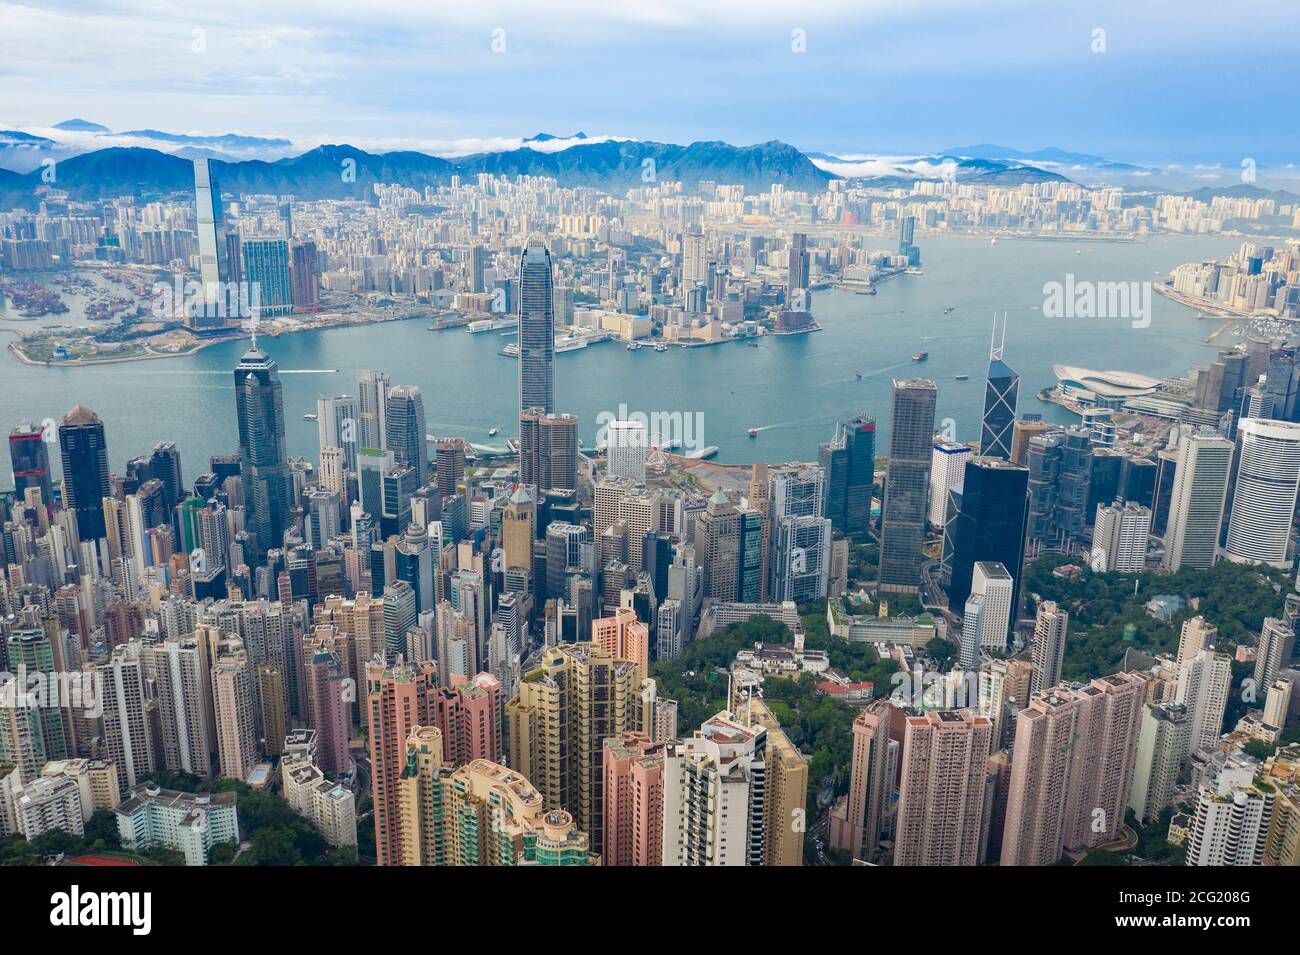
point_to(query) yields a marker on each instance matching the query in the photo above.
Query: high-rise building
(126, 724)
(85, 470)
(1000, 393)
(232, 697)
(1204, 683)
(992, 590)
(401, 699)
(1195, 636)
(30, 456)
(1162, 741)
(717, 544)
(214, 263)
(548, 450)
(907, 483)
(1050, 628)
(849, 460)
(536, 328)
(623, 637)
(1264, 493)
(1072, 769)
(338, 421)
(871, 785)
(579, 695)
(800, 549)
(941, 788)
(305, 276)
(266, 269)
(372, 403)
(633, 768)
(947, 467)
(183, 684)
(1196, 502)
(989, 525)
(797, 292)
(405, 430)
(695, 263)
(1276, 645)
(1232, 819)
(1119, 538)
(626, 445)
(263, 464)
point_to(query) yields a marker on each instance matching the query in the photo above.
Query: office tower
(947, 466)
(849, 460)
(1000, 393)
(1196, 502)
(1072, 769)
(800, 549)
(400, 700)
(749, 562)
(633, 767)
(404, 421)
(263, 467)
(626, 445)
(449, 456)
(85, 470)
(1194, 637)
(1276, 646)
(623, 637)
(321, 517)
(1119, 538)
(695, 263)
(1162, 743)
(717, 544)
(536, 328)
(906, 245)
(715, 784)
(578, 696)
(564, 549)
(1050, 629)
(518, 521)
(129, 742)
(548, 450)
(992, 594)
(1232, 819)
(1138, 481)
(941, 788)
(1204, 683)
(31, 462)
(214, 263)
(1264, 494)
(305, 276)
(266, 270)
(907, 481)
(372, 404)
(185, 707)
(797, 294)
(871, 785)
(1022, 430)
(989, 525)
(337, 419)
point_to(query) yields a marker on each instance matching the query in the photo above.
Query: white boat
(492, 432)
(310, 416)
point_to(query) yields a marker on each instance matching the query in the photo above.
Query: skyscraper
(1276, 645)
(1000, 394)
(907, 484)
(85, 470)
(947, 467)
(633, 766)
(536, 328)
(372, 403)
(1050, 629)
(214, 264)
(1119, 538)
(548, 450)
(30, 457)
(992, 589)
(941, 788)
(338, 424)
(1196, 504)
(849, 460)
(626, 445)
(266, 270)
(871, 785)
(717, 544)
(406, 437)
(1264, 494)
(797, 295)
(400, 699)
(1162, 742)
(1204, 683)
(263, 468)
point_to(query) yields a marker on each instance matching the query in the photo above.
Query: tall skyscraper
(1072, 769)
(871, 784)
(1276, 645)
(29, 453)
(947, 467)
(797, 293)
(127, 733)
(85, 470)
(907, 484)
(1264, 494)
(799, 552)
(263, 464)
(548, 450)
(536, 328)
(717, 544)
(372, 403)
(626, 446)
(1000, 392)
(1196, 503)
(1204, 683)
(941, 788)
(849, 460)
(989, 526)
(406, 436)
(214, 264)
(1050, 629)
(695, 264)
(992, 593)
(338, 423)
(266, 270)
(1162, 741)
(1119, 538)
(232, 697)
(633, 767)
(1231, 823)
(400, 700)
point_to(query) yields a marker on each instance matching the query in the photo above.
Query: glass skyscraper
(907, 484)
(85, 470)
(266, 269)
(263, 468)
(536, 328)
(1000, 395)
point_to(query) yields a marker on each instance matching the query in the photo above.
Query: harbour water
(791, 388)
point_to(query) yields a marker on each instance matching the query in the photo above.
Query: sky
(1145, 81)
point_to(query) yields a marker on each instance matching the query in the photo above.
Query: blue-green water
(793, 388)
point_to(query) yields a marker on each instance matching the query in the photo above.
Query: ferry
(570, 343)
(491, 325)
(962, 377)
(857, 375)
(661, 347)
(753, 432)
(492, 432)
(921, 356)
(633, 346)
(309, 416)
